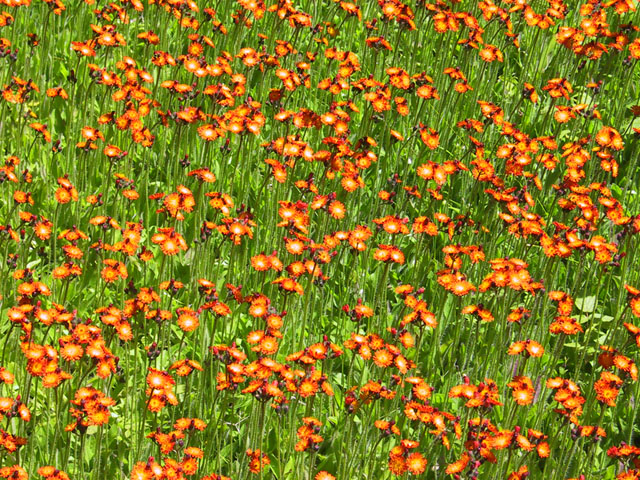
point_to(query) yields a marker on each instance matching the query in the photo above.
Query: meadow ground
(319, 240)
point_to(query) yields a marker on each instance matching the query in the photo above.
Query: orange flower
(15, 472)
(170, 241)
(378, 43)
(491, 53)
(257, 460)
(113, 270)
(113, 151)
(607, 388)
(51, 473)
(634, 331)
(389, 253)
(532, 347)
(459, 465)
(609, 137)
(633, 294)
(289, 285)
(93, 411)
(523, 391)
(189, 424)
(324, 475)
(71, 352)
(429, 136)
(187, 319)
(6, 376)
(416, 463)
(209, 132)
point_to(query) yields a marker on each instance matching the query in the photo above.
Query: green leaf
(288, 468)
(586, 304)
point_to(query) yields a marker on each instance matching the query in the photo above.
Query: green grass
(482, 211)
